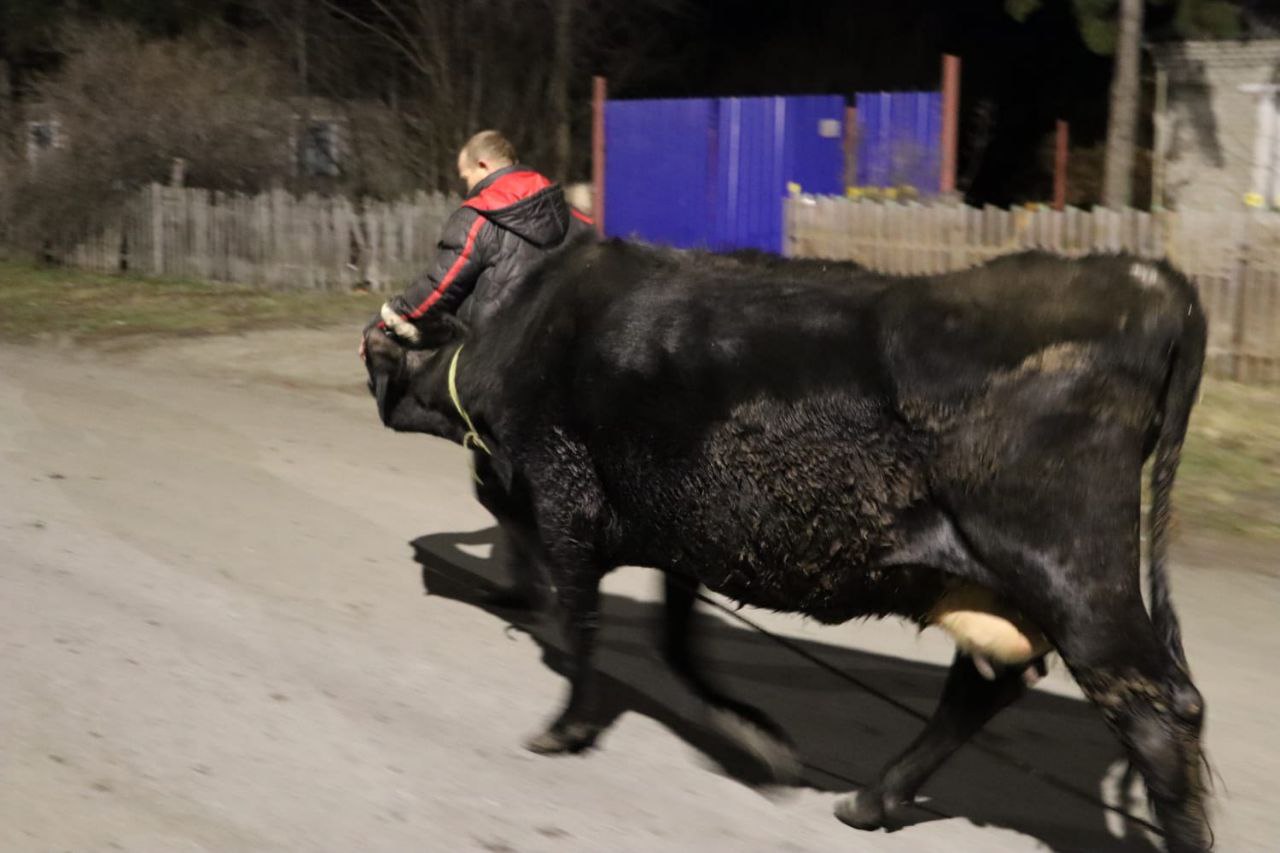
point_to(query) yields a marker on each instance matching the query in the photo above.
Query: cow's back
(947, 338)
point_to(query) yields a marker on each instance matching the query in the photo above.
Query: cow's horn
(381, 392)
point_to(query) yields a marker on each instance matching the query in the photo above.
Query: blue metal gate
(712, 172)
(899, 141)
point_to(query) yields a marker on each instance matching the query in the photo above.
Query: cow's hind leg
(747, 726)
(1149, 701)
(575, 729)
(969, 700)
(1071, 564)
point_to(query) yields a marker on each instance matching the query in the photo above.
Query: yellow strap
(472, 436)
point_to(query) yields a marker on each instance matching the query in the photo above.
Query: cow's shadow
(1037, 769)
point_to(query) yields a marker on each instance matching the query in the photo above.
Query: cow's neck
(471, 437)
(452, 398)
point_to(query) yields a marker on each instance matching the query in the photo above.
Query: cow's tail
(1182, 385)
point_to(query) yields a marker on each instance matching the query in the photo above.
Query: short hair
(489, 145)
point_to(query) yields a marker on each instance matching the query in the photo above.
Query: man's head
(484, 154)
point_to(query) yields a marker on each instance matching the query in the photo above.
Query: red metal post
(950, 121)
(600, 91)
(850, 146)
(1060, 166)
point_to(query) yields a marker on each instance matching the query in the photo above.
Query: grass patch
(88, 307)
(1229, 481)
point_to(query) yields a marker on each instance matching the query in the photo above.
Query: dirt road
(214, 636)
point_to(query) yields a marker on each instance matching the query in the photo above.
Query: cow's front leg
(747, 726)
(521, 563)
(969, 700)
(575, 729)
(572, 518)
(519, 545)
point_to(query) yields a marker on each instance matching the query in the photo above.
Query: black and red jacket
(507, 223)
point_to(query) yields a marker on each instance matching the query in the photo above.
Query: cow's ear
(385, 395)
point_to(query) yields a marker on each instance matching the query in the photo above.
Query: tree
(1115, 27)
(518, 65)
(1117, 182)
(559, 90)
(1099, 20)
(27, 31)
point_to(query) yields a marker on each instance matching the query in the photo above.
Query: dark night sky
(1022, 75)
(1030, 74)
(1026, 74)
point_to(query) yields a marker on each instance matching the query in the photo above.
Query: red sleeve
(452, 274)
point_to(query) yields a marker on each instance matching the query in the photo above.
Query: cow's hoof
(863, 809)
(563, 739)
(770, 749)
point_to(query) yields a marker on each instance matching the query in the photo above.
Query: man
(510, 219)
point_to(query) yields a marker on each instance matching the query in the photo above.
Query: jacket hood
(523, 202)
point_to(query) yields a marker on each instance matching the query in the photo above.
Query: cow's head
(408, 384)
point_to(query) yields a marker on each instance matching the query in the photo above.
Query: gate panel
(714, 173)
(899, 140)
(658, 170)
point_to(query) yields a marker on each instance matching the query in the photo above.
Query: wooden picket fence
(282, 241)
(1233, 257)
(274, 240)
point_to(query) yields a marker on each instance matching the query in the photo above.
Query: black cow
(815, 438)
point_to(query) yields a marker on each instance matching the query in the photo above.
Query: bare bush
(127, 108)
